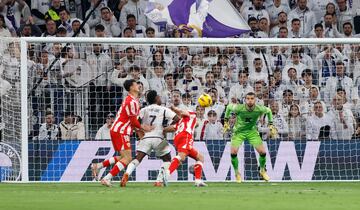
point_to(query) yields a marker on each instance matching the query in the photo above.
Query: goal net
(59, 96)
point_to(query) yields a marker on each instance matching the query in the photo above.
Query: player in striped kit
(125, 121)
(156, 116)
(183, 141)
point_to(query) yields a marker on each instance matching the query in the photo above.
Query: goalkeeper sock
(166, 166)
(107, 162)
(235, 162)
(262, 161)
(119, 166)
(132, 165)
(198, 169)
(174, 164)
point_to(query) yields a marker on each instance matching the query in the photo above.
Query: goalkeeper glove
(226, 126)
(273, 131)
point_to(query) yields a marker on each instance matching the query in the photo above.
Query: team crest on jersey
(10, 163)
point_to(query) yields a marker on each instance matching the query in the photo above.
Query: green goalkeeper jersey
(245, 119)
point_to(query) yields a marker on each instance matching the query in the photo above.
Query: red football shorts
(184, 143)
(120, 141)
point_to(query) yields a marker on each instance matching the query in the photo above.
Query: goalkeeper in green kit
(245, 129)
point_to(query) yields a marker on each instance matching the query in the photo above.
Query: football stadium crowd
(313, 91)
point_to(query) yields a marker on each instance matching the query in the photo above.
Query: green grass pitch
(182, 196)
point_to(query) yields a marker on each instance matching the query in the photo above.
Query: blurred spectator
(4, 32)
(158, 82)
(213, 129)
(216, 106)
(150, 32)
(287, 101)
(339, 81)
(277, 58)
(326, 61)
(307, 106)
(258, 74)
(200, 119)
(293, 83)
(67, 22)
(319, 7)
(294, 62)
(238, 91)
(278, 121)
(319, 124)
(137, 8)
(50, 29)
(344, 120)
(170, 87)
(116, 6)
(181, 60)
(275, 9)
(304, 89)
(53, 12)
(72, 128)
(157, 56)
(48, 130)
(305, 15)
(108, 20)
(211, 55)
(283, 32)
(281, 22)
(104, 131)
(131, 59)
(134, 73)
(210, 84)
(189, 83)
(186, 102)
(344, 15)
(254, 29)
(13, 10)
(137, 30)
(236, 60)
(95, 16)
(256, 10)
(295, 29)
(199, 70)
(296, 123)
(264, 26)
(29, 29)
(38, 10)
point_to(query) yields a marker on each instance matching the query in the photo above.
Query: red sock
(119, 166)
(109, 162)
(198, 169)
(174, 164)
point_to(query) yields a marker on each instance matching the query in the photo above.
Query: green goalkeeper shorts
(252, 136)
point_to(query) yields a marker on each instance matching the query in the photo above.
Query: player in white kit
(157, 116)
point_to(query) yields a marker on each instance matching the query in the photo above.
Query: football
(205, 100)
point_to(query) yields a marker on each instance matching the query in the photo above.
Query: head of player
(132, 87)
(153, 98)
(250, 100)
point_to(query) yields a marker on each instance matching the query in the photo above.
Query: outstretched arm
(180, 112)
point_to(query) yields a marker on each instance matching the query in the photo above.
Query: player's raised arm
(180, 112)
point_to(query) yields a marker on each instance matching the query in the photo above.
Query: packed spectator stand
(313, 91)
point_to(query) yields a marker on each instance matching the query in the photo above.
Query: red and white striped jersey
(129, 108)
(186, 124)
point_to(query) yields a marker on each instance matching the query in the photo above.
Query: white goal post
(303, 149)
